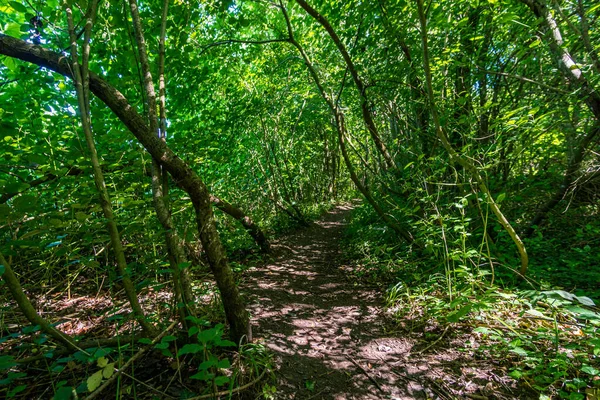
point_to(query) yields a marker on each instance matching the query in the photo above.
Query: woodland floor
(331, 338)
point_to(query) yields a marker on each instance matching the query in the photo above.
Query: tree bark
(566, 63)
(80, 79)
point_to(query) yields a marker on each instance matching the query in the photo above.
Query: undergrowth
(547, 335)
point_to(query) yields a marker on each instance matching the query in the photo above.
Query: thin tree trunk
(341, 128)
(15, 289)
(170, 233)
(159, 195)
(362, 90)
(566, 62)
(115, 238)
(457, 157)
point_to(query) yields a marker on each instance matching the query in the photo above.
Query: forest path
(327, 333)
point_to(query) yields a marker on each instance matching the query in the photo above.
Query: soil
(331, 338)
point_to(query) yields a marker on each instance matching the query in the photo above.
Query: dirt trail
(327, 334)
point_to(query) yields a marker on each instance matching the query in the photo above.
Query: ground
(328, 332)
(331, 338)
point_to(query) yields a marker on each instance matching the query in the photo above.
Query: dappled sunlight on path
(326, 332)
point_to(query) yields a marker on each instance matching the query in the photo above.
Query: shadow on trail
(330, 338)
(320, 325)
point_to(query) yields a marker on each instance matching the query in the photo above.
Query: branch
(523, 79)
(119, 371)
(232, 41)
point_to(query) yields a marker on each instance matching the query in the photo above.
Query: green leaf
(81, 216)
(224, 364)
(11, 64)
(582, 313)
(2, 269)
(590, 370)
(208, 335)
(18, 6)
(18, 389)
(586, 301)
(13, 29)
(94, 381)
(225, 343)
(108, 370)
(145, 341)
(161, 346)
(7, 362)
(457, 315)
(538, 314)
(203, 376)
(221, 380)
(207, 364)
(64, 393)
(102, 362)
(520, 351)
(190, 349)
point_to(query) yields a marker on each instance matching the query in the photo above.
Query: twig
(118, 372)
(434, 342)
(364, 371)
(84, 345)
(165, 396)
(226, 392)
(241, 41)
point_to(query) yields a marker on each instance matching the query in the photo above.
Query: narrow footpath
(326, 331)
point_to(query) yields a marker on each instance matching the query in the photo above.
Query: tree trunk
(15, 289)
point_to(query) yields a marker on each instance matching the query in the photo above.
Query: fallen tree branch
(364, 371)
(119, 371)
(236, 390)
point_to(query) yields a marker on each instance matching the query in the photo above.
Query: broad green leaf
(207, 364)
(7, 362)
(94, 381)
(538, 314)
(582, 313)
(457, 315)
(81, 216)
(520, 351)
(586, 301)
(190, 349)
(221, 380)
(168, 338)
(64, 393)
(13, 29)
(590, 370)
(18, 7)
(102, 362)
(108, 370)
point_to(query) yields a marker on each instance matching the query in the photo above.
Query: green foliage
(209, 340)
(248, 118)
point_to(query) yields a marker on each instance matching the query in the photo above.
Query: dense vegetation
(147, 156)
